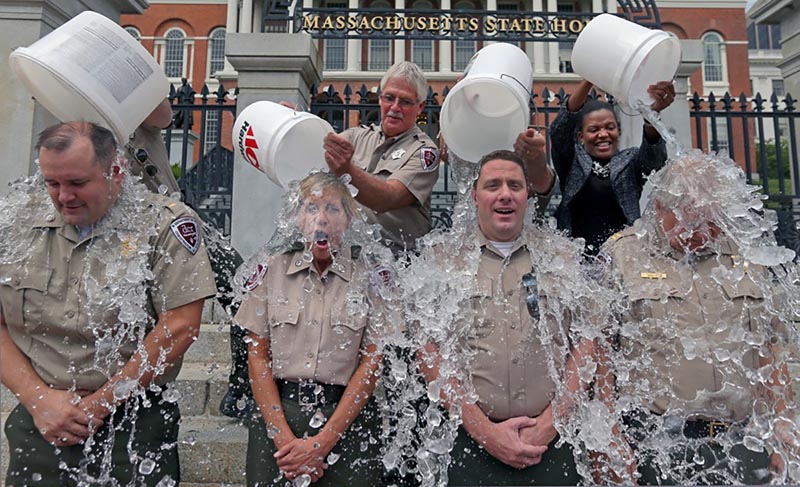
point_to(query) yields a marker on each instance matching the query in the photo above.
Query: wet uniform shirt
(156, 170)
(509, 370)
(412, 159)
(688, 326)
(317, 325)
(55, 301)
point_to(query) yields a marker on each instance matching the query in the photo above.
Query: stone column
(446, 47)
(271, 67)
(353, 47)
(552, 47)
(23, 22)
(399, 44)
(538, 47)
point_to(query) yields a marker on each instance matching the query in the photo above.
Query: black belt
(309, 393)
(701, 428)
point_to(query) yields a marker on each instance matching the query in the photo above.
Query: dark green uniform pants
(359, 463)
(35, 462)
(692, 456)
(472, 465)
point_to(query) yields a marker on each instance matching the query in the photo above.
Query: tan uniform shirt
(412, 159)
(156, 171)
(692, 324)
(50, 299)
(317, 325)
(509, 370)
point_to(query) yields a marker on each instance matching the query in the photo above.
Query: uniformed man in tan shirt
(508, 435)
(101, 291)
(700, 332)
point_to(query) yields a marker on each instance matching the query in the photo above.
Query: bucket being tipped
(623, 58)
(283, 143)
(489, 107)
(90, 69)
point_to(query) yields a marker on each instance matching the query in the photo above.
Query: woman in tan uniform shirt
(313, 358)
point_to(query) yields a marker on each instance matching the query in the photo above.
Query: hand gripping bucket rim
(118, 89)
(642, 57)
(276, 140)
(490, 106)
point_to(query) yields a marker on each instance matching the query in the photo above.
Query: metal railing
(206, 169)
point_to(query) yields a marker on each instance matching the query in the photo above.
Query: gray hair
(411, 74)
(59, 137)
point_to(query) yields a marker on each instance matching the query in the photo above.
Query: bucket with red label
(283, 143)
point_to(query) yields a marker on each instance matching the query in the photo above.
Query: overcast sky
(749, 2)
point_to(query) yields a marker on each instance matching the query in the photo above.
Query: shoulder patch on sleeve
(187, 232)
(428, 157)
(256, 278)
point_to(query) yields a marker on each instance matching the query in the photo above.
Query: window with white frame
(713, 57)
(216, 47)
(422, 49)
(380, 54)
(764, 37)
(174, 43)
(335, 50)
(134, 32)
(211, 130)
(463, 49)
(380, 50)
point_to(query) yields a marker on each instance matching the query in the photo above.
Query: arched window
(134, 32)
(463, 49)
(713, 58)
(216, 47)
(422, 49)
(173, 53)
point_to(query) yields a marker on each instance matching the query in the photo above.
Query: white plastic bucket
(283, 143)
(90, 69)
(487, 109)
(623, 58)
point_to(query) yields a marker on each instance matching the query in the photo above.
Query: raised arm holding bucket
(488, 109)
(600, 184)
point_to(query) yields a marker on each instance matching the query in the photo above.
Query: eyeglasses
(403, 102)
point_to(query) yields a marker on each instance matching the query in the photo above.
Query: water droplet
(171, 395)
(36, 476)
(332, 458)
(302, 481)
(147, 466)
(318, 419)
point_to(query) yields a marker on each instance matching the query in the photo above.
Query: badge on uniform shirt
(383, 276)
(186, 231)
(256, 278)
(428, 157)
(398, 154)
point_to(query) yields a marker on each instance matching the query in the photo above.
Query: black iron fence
(760, 134)
(200, 130)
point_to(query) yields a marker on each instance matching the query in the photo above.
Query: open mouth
(504, 211)
(321, 239)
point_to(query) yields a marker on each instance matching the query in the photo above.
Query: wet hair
(410, 73)
(321, 181)
(503, 155)
(592, 106)
(59, 137)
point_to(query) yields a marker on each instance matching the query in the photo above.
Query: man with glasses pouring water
(394, 165)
